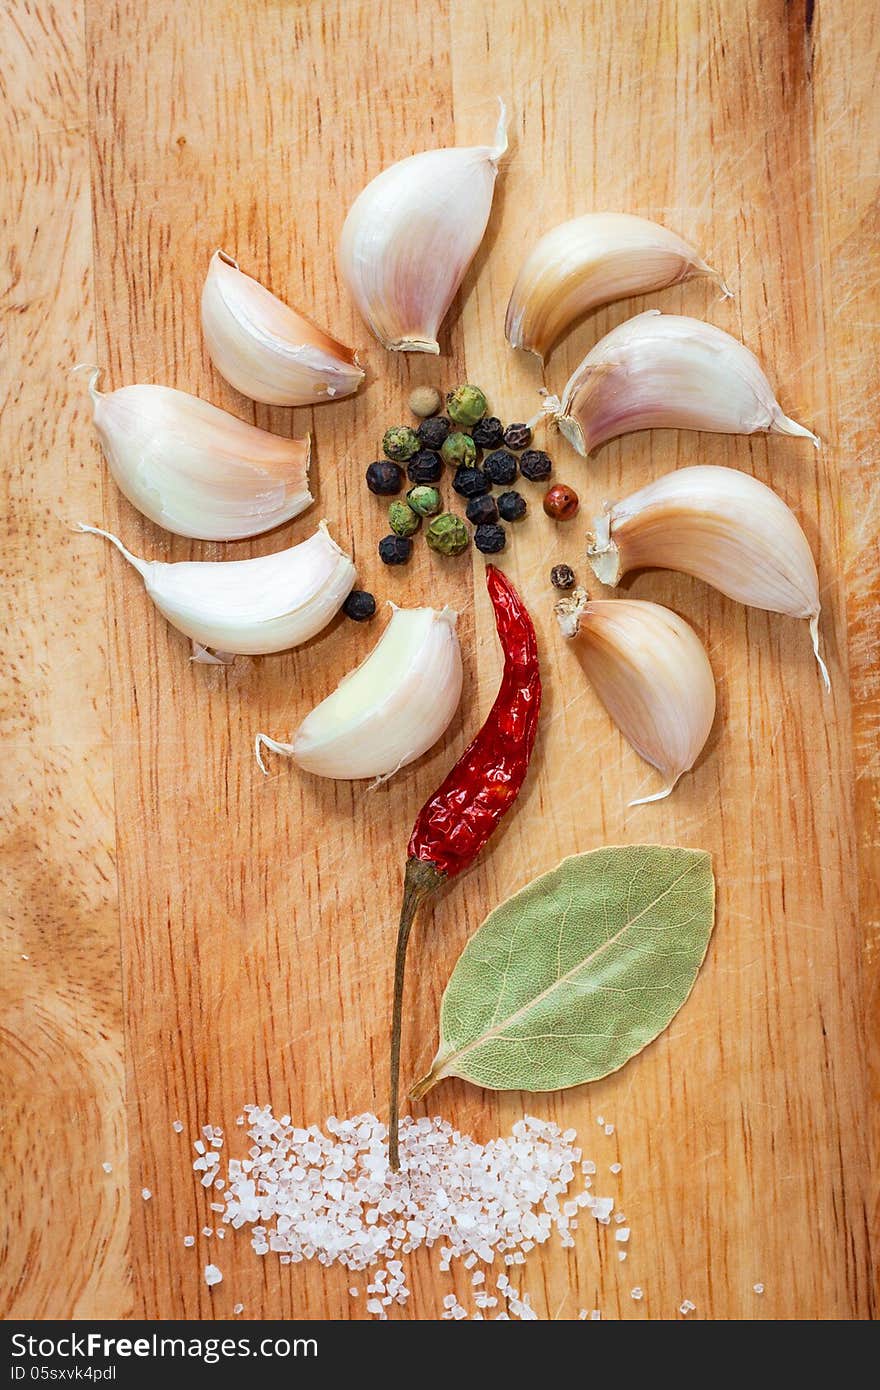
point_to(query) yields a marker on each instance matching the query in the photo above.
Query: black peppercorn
(385, 479)
(395, 550)
(535, 465)
(470, 482)
(359, 605)
(433, 432)
(488, 433)
(481, 511)
(562, 577)
(426, 467)
(490, 539)
(511, 506)
(501, 467)
(517, 437)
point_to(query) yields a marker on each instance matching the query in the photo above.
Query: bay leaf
(580, 970)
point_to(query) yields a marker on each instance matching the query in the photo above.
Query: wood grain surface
(184, 936)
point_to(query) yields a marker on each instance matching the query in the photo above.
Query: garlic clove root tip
(814, 633)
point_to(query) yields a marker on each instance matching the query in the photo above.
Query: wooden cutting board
(185, 936)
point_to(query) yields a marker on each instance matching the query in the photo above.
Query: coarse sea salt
(332, 1197)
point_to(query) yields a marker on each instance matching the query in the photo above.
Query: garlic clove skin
(719, 525)
(410, 236)
(667, 371)
(249, 607)
(589, 261)
(196, 470)
(388, 711)
(267, 350)
(651, 672)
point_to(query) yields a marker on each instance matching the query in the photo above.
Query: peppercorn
(562, 577)
(384, 478)
(561, 502)
(459, 448)
(466, 405)
(400, 443)
(447, 534)
(425, 501)
(471, 482)
(433, 433)
(501, 467)
(482, 510)
(425, 467)
(395, 550)
(511, 506)
(488, 433)
(402, 519)
(490, 539)
(517, 437)
(535, 465)
(424, 401)
(359, 605)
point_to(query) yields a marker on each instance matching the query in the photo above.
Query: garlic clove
(249, 607)
(388, 711)
(196, 470)
(267, 350)
(651, 672)
(589, 261)
(719, 525)
(666, 371)
(410, 236)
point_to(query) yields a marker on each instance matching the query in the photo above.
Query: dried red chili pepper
(455, 823)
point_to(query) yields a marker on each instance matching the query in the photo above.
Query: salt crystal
(615, 1167)
(238, 1307)
(621, 1255)
(199, 1146)
(636, 1293)
(595, 1316)
(207, 1230)
(609, 1129)
(177, 1126)
(687, 1307)
(622, 1233)
(600, 1119)
(108, 1167)
(189, 1241)
(146, 1194)
(757, 1288)
(354, 1292)
(212, 1275)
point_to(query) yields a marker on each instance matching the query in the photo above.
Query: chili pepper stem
(421, 879)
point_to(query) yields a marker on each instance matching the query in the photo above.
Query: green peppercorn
(425, 501)
(447, 534)
(424, 400)
(466, 405)
(459, 449)
(400, 443)
(402, 519)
